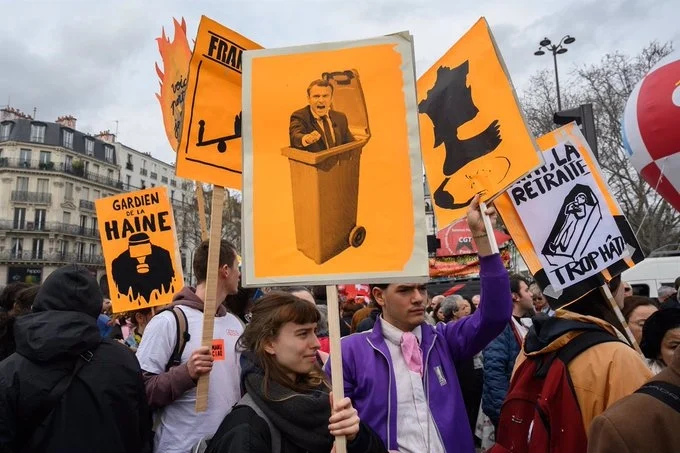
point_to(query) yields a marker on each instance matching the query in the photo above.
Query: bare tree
(607, 85)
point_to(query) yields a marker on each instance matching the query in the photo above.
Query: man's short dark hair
(515, 281)
(319, 83)
(227, 256)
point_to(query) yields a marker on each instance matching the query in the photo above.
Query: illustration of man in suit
(316, 127)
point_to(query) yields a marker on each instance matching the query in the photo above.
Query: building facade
(50, 175)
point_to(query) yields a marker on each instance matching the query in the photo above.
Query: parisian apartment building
(51, 174)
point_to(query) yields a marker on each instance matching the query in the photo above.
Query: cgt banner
(569, 229)
(139, 243)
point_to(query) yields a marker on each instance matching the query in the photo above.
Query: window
(173, 183)
(128, 179)
(39, 219)
(143, 184)
(67, 139)
(153, 175)
(79, 250)
(63, 248)
(89, 147)
(22, 184)
(68, 191)
(38, 249)
(172, 195)
(5, 130)
(109, 173)
(87, 167)
(68, 162)
(19, 218)
(144, 164)
(67, 217)
(95, 169)
(43, 185)
(83, 223)
(129, 158)
(17, 247)
(93, 250)
(93, 229)
(97, 195)
(45, 157)
(25, 157)
(108, 150)
(86, 193)
(38, 133)
(164, 179)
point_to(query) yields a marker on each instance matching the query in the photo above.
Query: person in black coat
(287, 403)
(103, 408)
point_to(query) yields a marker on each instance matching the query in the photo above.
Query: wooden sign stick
(200, 200)
(336, 355)
(210, 302)
(610, 297)
(489, 228)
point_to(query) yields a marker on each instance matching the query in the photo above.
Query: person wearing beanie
(65, 388)
(660, 338)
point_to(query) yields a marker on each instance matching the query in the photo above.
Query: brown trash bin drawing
(325, 184)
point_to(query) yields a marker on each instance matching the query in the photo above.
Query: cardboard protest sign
(210, 147)
(473, 135)
(176, 56)
(139, 243)
(569, 229)
(333, 189)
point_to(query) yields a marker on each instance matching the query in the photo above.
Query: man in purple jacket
(401, 375)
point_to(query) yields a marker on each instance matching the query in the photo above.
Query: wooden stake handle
(489, 228)
(210, 302)
(336, 355)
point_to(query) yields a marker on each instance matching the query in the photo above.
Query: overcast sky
(95, 59)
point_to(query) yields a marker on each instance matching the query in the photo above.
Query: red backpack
(541, 413)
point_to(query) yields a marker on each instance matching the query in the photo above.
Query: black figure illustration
(143, 268)
(316, 127)
(449, 105)
(575, 225)
(221, 141)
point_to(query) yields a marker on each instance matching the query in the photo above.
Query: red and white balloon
(651, 128)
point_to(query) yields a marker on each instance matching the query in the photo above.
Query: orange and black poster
(333, 183)
(473, 135)
(210, 147)
(139, 243)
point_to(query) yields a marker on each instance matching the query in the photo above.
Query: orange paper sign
(210, 148)
(338, 198)
(218, 349)
(138, 237)
(176, 56)
(473, 135)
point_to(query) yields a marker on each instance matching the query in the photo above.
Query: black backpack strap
(183, 337)
(663, 391)
(584, 341)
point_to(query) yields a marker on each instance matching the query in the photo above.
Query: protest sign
(569, 229)
(210, 144)
(473, 135)
(139, 243)
(333, 188)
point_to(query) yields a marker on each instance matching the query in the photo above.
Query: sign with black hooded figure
(139, 244)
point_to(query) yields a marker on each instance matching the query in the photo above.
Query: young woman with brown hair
(287, 404)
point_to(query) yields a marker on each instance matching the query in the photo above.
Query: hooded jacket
(104, 408)
(601, 375)
(639, 422)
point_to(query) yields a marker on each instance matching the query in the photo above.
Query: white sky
(95, 60)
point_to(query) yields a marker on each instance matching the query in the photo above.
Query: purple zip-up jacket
(369, 375)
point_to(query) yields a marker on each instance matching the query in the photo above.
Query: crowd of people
(502, 371)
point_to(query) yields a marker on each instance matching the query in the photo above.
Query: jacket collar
(376, 337)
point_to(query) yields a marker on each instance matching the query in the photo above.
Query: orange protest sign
(218, 349)
(567, 226)
(176, 56)
(139, 243)
(210, 147)
(338, 198)
(473, 135)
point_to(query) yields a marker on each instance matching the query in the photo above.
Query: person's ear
(379, 295)
(269, 347)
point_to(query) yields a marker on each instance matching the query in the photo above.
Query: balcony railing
(85, 204)
(57, 257)
(49, 227)
(31, 197)
(13, 162)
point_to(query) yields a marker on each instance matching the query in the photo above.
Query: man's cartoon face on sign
(320, 99)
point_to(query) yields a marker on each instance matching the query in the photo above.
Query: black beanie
(655, 328)
(70, 288)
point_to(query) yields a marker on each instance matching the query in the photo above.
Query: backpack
(541, 413)
(183, 337)
(663, 391)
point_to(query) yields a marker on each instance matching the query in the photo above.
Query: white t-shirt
(180, 426)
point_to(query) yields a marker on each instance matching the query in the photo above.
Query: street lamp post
(558, 49)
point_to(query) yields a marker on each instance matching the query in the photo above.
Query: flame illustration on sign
(176, 56)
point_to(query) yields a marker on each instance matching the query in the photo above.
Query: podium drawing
(574, 226)
(325, 172)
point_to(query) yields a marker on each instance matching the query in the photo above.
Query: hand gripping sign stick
(210, 302)
(489, 228)
(336, 356)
